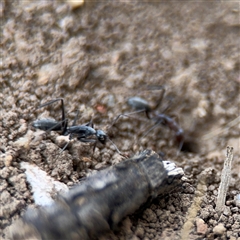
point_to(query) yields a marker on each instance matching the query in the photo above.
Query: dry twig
(225, 179)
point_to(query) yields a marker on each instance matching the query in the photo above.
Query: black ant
(82, 132)
(141, 105)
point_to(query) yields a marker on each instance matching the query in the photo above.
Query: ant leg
(64, 120)
(180, 139)
(160, 99)
(75, 119)
(50, 102)
(90, 124)
(140, 103)
(126, 115)
(70, 138)
(86, 140)
(150, 129)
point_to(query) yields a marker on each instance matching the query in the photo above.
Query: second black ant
(84, 133)
(141, 105)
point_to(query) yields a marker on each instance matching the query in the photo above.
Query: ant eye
(103, 138)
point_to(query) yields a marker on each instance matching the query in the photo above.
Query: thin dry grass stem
(225, 179)
(221, 130)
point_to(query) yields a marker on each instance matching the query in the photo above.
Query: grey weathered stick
(225, 179)
(101, 201)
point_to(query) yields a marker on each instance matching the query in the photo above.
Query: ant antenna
(150, 129)
(115, 147)
(160, 99)
(126, 115)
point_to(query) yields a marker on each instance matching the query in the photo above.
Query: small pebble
(219, 229)
(8, 160)
(234, 209)
(75, 3)
(201, 226)
(227, 211)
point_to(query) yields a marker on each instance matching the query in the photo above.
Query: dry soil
(96, 57)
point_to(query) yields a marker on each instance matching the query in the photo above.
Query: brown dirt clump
(96, 57)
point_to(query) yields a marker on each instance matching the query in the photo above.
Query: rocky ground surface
(96, 57)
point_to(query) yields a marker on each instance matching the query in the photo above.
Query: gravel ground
(96, 57)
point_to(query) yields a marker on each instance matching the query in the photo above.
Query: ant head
(101, 136)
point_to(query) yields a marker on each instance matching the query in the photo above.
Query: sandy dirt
(96, 57)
